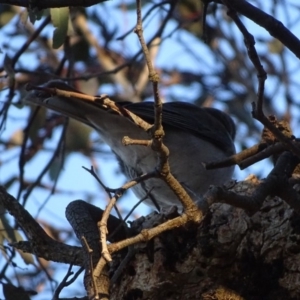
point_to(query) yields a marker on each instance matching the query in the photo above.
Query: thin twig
(148, 234)
(89, 252)
(65, 281)
(262, 76)
(102, 224)
(158, 133)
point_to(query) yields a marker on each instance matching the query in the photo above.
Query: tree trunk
(231, 255)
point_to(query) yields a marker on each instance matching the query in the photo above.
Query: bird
(193, 135)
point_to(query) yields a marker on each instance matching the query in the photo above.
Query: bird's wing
(207, 123)
(210, 124)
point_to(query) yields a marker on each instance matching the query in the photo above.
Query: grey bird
(193, 135)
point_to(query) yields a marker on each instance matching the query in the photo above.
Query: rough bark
(231, 255)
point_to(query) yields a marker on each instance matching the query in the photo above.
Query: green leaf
(56, 167)
(39, 122)
(60, 20)
(275, 46)
(27, 257)
(5, 17)
(7, 232)
(78, 137)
